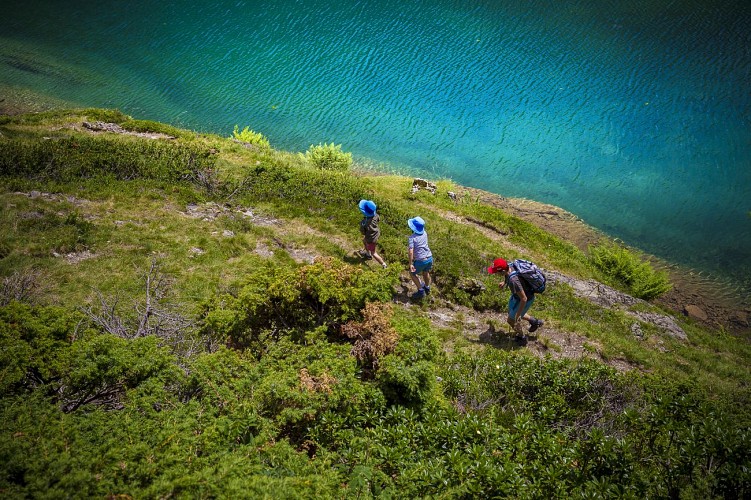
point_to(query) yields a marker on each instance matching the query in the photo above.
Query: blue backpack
(531, 274)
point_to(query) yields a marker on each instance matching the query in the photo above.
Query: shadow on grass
(502, 339)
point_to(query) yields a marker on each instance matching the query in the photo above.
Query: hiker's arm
(411, 259)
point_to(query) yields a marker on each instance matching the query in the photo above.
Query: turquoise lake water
(636, 116)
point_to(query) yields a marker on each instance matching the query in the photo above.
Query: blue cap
(367, 207)
(416, 224)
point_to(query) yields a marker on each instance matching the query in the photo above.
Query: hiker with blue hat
(370, 231)
(420, 257)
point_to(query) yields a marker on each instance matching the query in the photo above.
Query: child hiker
(420, 257)
(370, 231)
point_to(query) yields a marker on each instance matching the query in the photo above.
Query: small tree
(328, 157)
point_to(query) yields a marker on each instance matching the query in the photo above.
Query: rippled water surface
(635, 115)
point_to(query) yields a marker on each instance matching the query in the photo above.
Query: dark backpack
(531, 274)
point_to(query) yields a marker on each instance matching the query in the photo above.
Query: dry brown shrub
(321, 383)
(374, 337)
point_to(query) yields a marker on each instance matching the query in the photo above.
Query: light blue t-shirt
(419, 245)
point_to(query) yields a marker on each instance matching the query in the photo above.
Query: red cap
(498, 264)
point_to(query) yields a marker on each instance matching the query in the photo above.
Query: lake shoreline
(705, 300)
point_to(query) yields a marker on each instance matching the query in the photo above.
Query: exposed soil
(489, 328)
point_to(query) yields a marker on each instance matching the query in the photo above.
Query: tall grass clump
(328, 157)
(621, 264)
(251, 137)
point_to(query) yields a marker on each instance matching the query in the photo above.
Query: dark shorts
(422, 266)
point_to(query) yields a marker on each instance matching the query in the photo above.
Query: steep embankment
(185, 315)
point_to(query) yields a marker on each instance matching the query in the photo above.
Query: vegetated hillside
(184, 315)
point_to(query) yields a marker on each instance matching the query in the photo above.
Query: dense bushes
(525, 428)
(276, 302)
(561, 394)
(301, 422)
(39, 354)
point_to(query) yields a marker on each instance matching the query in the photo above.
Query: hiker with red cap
(522, 295)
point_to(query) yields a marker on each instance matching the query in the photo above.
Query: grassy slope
(93, 235)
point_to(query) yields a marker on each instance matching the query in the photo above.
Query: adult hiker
(522, 295)
(420, 257)
(370, 231)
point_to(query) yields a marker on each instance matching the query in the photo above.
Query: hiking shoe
(521, 340)
(535, 324)
(418, 294)
(426, 289)
(365, 255)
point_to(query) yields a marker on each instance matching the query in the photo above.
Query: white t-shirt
(419, 245)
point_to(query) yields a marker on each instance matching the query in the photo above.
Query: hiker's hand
(501, 285)
(412, 268)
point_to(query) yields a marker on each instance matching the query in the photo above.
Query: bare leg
(378, 259)
(426, 277)
(365, 247)
(416, 281)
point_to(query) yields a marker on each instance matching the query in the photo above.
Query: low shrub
(407, 376)
(60, 115)
(624, 266)
(276, 302)
(328, 157)
(251, 137)
(374, 337)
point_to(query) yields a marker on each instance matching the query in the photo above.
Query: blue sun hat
(367, 207)
(417, 225)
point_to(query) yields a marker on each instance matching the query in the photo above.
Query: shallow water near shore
(634, 116)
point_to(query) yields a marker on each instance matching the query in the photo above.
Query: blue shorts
(423, 266)
(513, 305)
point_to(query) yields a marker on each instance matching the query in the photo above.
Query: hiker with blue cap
(420, 257)
(370, 231)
